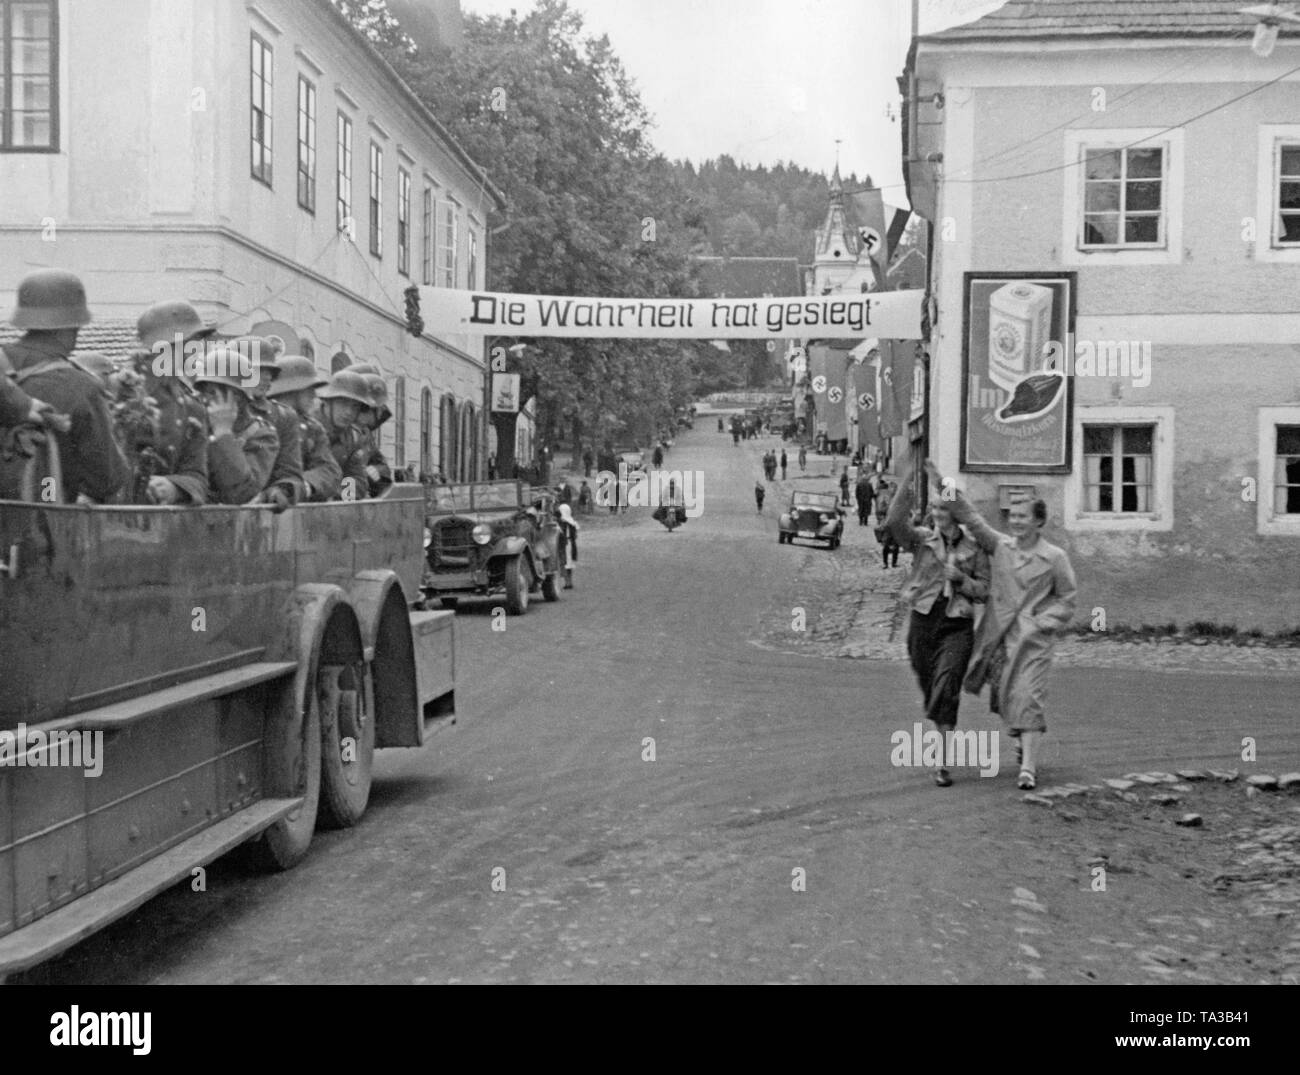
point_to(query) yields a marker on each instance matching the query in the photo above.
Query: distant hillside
(756, 211)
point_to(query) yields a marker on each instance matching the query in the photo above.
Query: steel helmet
(164, 321)
(259, 350)
(347, 385)
(378, 396)
(51, 299)
(223, 365)
(296, 373)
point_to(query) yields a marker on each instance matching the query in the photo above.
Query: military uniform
(287, 471)
(350, 447)
(240, 463)
(15, 404)
(175, 447)
(92, 463)
(375, 458)
(322, 475)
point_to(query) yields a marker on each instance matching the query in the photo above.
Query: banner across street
(894, 314)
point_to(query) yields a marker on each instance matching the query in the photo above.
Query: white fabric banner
(886, 314)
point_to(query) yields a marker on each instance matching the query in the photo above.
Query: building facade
(1115, 196)
(262, 161)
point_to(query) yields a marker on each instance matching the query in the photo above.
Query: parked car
(811, 516)
(632, 458)
(487, 539)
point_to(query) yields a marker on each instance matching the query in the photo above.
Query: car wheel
(516, 587)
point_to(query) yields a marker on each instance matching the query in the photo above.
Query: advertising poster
(1016, 406)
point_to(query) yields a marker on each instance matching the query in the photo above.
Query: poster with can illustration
(1016, 403)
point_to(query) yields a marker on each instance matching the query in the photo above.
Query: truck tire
(345, 700)
(516, 587)
(550, 590)
(293, 769)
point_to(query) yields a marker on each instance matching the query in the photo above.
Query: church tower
(836, 252)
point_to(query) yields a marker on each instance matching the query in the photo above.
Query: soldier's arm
(322, 476)
(286, 472)
(100, 460)
(191, 476)
(239, 472)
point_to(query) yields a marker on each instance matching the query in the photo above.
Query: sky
(769, 80)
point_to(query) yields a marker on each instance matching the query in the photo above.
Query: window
(447, 244)
(447, 437)
(472, 277)
(262, 86)
(29, 85)
(426, 431)
(1123, 478)
(306, 145)
(343, 172)
(404, 222)
(1117, 468)
(427, 235)
(1278, 494)
(376, 200)
(399, 423)
(341, 361)
(1123, 196)
(1286, 194)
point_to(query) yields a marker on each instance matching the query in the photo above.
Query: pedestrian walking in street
(803, 458)
(884, 494)
(784, 460)
(864, 495)
(844, 487)
(658, 456)
(759, 493)
(950, 575)
(584, 498)
(587, 460)
(1032, 595)
(735, 438)
(568, 543)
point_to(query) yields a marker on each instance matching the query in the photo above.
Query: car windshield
(473, 497)
(819, 501)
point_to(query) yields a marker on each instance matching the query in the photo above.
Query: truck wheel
(516, 587)
(293, 770)
(347, 722)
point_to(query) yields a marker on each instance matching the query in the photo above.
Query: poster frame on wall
(1066, 466)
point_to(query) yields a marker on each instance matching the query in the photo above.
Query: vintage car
(486, 539)
(815, 516)
(632, 458)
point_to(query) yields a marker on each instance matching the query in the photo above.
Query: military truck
(230, 670)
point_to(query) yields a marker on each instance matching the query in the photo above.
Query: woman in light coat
(1031, 596)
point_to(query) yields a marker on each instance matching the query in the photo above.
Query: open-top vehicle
(812, 516)
(485, 539)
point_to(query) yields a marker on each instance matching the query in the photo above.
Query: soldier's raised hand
(223, 410)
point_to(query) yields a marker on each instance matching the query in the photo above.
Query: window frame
(471, 274)
(268, 116)
(1267, 522)
(344, 169)
(375, 201)
(6, 82)
(429, 237)
(404, 222)
(426, 430)
(1268, 160)
(399, 422)
(445, 267)
(312, 119)
(1161, 517)
(1170, 250)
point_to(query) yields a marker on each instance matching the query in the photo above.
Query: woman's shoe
(1027, 781)
(942, 778)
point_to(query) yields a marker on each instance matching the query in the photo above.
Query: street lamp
(1270, 18)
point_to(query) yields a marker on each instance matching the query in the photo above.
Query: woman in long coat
(1031, 596)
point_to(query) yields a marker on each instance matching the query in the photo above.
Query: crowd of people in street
(185, 420)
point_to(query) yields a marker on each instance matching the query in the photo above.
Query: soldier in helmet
(371, 419)
(341, 403)
(167, 443)
(242, 445)
(286, 476)
(52, 309)
(322, 476)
